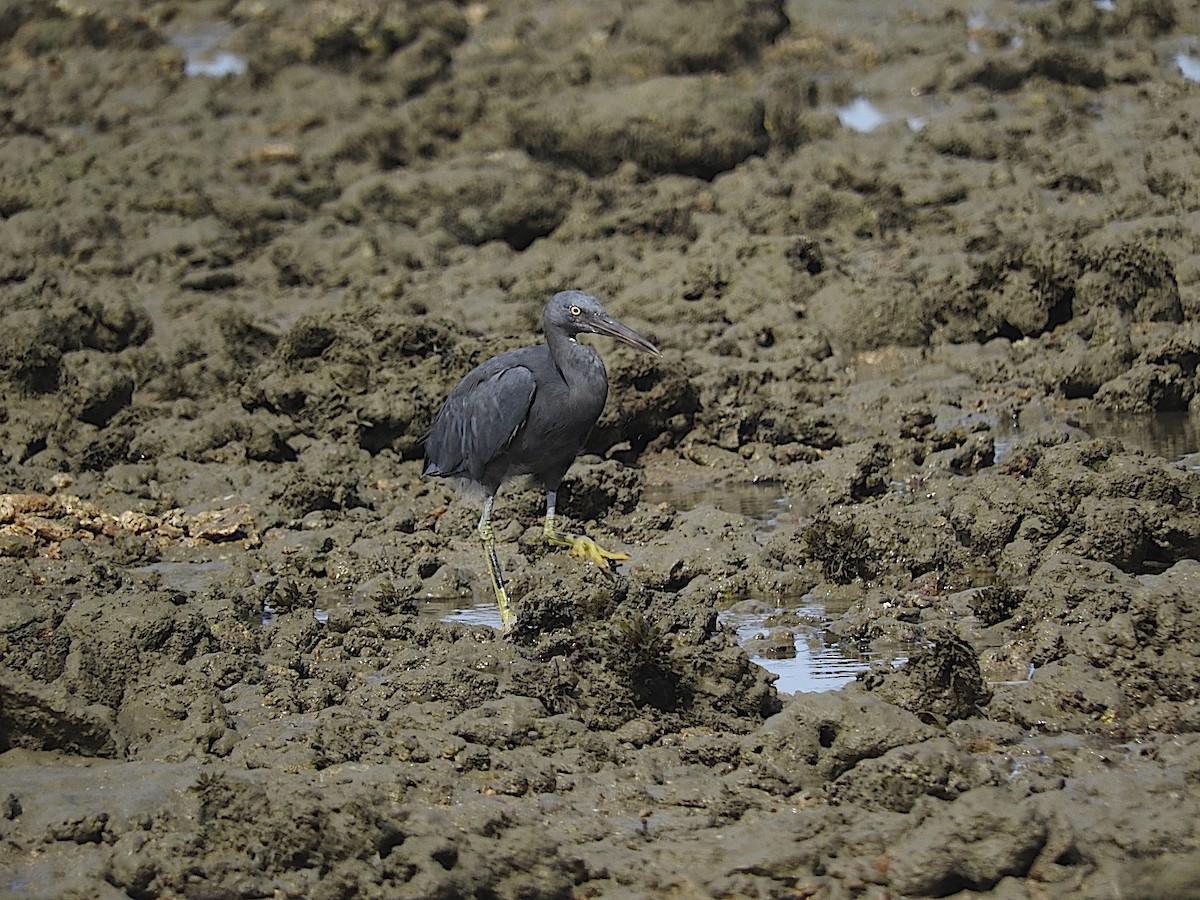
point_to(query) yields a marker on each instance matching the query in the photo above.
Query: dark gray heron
(528, 412)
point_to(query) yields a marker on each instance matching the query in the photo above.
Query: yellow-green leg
(493, 563)
(582, 546)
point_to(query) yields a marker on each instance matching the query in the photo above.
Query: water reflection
(451, 609)
(860, 115)
(817, 664)
(202, 52)
(1175, 436)
(189, 577)
(1188, 65)
(759, 500)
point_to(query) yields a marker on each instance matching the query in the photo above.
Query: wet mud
(914, 376)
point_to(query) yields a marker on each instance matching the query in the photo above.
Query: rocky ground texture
(247, 247)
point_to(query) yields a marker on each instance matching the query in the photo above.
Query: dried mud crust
(230, 306)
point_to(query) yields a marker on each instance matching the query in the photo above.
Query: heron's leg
(582, 546)
(493, 563)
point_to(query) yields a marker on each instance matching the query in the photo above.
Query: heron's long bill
(623, 333)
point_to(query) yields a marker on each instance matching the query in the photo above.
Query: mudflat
(928, 278)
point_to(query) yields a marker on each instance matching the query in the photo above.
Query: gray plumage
(529, 412)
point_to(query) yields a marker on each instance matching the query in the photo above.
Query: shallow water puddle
(202, 52)
(1188, 65)
(1174, 436)
(451, 610)
(191, 577)
(759, 500)
(860, 115)
(817, 664)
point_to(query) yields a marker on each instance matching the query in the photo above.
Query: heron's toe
(587, 549)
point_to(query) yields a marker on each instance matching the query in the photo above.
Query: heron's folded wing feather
(477, 422)
(499, 406)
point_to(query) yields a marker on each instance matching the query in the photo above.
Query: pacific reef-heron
(528, 412)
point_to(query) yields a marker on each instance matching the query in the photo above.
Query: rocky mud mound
(246, 249)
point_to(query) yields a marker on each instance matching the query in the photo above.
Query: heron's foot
(507, 617)
(583, 547)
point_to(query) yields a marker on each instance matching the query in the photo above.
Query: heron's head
(577, 312)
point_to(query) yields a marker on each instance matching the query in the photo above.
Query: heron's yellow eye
(575, 310)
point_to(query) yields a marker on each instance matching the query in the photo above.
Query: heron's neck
(580, 365)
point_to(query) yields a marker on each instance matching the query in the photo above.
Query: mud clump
(632, 653)
(688, 125)
(939, 683)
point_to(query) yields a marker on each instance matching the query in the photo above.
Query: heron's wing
(477, 422)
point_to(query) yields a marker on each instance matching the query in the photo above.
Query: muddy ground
(247, 247)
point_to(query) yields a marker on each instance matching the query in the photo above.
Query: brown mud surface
(230, 304)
